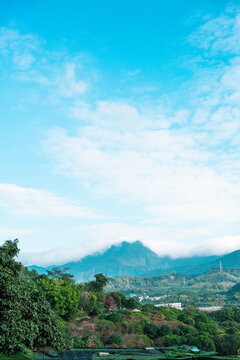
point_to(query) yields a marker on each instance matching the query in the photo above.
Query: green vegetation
(212, 288)
(26, 317)
(53, 311)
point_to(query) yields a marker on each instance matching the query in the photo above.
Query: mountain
(124, 259)
(229, 261)
(135, 259)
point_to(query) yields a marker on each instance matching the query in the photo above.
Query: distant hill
(135, 259)
(199, 288)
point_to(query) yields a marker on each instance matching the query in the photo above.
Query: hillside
(135, 259)
(207, 289)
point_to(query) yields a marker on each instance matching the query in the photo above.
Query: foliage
(173, 340)
(58, 273)
(151, 330)
(115, 339)
(164, 330)
(97, 285)
(109, 302)
(26, 319)
(104, 325)
(90, 304)
(118, 298)
(115, 318)
(78, 343)
(63, 295)
(131, 304)
(204, 342)
(92, 340)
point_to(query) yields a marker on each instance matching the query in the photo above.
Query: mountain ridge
(135, 259)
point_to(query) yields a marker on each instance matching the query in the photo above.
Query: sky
(119, 121)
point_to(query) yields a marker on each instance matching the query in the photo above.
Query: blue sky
(120, 120)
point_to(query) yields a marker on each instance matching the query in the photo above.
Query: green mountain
(135, 259)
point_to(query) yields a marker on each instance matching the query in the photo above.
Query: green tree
(151, 330)
(26, 319)
(204, 342)
(58, 273)
(98, 284)
(115, 339)
(164, 330)
(63, 295)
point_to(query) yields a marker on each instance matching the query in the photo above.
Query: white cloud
(14, 233)
(68, 85)
(33, 63)
(151, 236)
(22, 48)
(220, 34)
(23, 201)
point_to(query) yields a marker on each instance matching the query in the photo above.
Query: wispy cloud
(31, 62)
(23, 201)
(220, 34)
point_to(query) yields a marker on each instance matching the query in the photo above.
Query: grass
(16, 356)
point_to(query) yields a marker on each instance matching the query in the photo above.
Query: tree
(108, 303)
(98, 284)
(63, 295)
(151, 330)
(118, 298)
(90, 303)
(165, 330)
(204, 342)
(26, 318)
(58, 273)
(115, 339)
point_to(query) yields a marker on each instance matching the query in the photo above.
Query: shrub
(138, 328)
(186, 330)
(147, 340)
(149, 308)
(173, 340)
(125, 312)
(168, 313)
(104, 325)
(115, 318)
(186, 319)
(115, 339)
(165, 330)
(151, 330)
(78, 343)
(92, 340)
(204, 342)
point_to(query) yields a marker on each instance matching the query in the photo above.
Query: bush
(151, 330)
(173, 340)
(138, 328)
(149, 308)
(125, 312)
(186, 330)
(168, 313)
(204, 342)
(92, 340)
(148, 341)
(115, 318)
(115, 339)
(186, 319)
(104, 325)
(78, 343)
(165, 330)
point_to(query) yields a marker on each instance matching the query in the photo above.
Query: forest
(53, 311)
